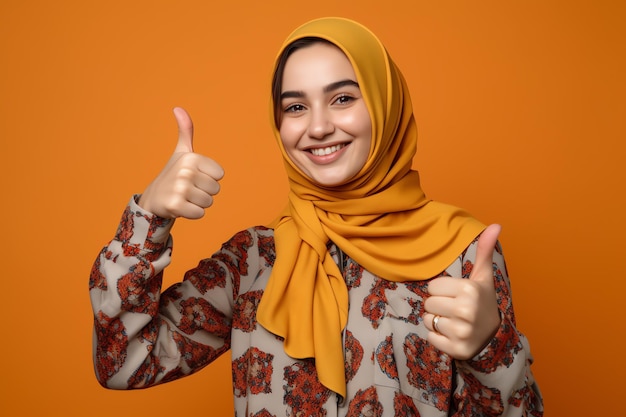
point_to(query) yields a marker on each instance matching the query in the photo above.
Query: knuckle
(185, 173)
(181, 188)
(172, 208)
(464, 311)
(470, 290)
(464, 332)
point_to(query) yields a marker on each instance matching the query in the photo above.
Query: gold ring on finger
(435, 324)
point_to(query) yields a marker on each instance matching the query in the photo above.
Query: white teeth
(326, 151)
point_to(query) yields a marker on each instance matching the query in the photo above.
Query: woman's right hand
(187, 183)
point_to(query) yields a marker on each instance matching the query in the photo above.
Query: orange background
(520, 107)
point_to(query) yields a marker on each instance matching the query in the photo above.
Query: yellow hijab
(381, 218)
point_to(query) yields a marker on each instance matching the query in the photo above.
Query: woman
(351, 302)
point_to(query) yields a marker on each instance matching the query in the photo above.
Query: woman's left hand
(467, 309)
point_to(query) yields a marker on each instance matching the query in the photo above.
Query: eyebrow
(327, 89)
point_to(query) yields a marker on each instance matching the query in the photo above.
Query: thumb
(483, 266)
(185, 130)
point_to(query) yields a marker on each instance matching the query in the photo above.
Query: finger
(437, 328)
(444, 287)
(483, 265)
(190, 211)
(428, 321)
(441, 305)
(200, 198)
(211, 168)
(207, 184)
(185, 130)
(191, 205)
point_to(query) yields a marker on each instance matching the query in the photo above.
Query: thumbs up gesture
(187, 183)
(462, 314)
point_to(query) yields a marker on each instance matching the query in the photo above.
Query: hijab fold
(380, 218)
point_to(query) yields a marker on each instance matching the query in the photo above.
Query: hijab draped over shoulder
(380, 218)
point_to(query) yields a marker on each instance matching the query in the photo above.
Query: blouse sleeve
(143, 337)
(498, 381)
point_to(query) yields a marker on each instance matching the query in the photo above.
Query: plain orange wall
(520, 107)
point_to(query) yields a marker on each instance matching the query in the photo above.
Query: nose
(320, 124)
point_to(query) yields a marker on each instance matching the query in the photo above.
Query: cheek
(365, 121)
(287, 135)
(358, 122)
(363, 125)
(291, 132)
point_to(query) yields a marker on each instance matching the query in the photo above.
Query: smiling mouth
(328, 150)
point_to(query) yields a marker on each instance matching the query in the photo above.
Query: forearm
(498, 381)
(143, 337)
(125, 286)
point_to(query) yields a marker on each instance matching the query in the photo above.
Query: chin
(327, 181)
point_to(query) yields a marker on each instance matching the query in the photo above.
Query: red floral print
(526, 397)
(239, 245)
(126, 228)
(207, 275)
(304, 394)
(354, 272)
(354, 355)
(196, 355)
(262, 413)
(500, 351)
(252, 371)
(365, 404)
(429, 370)
(375, 304)
(141, 333)
(385, 358)
(267, 250)
(146, 373)
(111, 348)
(138, 294)
(404, 406)
(97, 278)
(503, 292)
(154, 249)
(246, 306)
(199, 314)
(467, 269)
(478, 399)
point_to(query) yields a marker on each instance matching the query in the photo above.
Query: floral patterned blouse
(145, 337)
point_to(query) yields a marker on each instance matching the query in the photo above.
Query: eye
(344, 99)
(294, 108)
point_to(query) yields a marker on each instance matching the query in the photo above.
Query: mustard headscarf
(380, 218)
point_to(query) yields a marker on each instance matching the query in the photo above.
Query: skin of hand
(186, 185)
(468, 308)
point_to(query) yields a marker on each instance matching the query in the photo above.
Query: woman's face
(326, 129)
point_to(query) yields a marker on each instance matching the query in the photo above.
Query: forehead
(316, 65)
